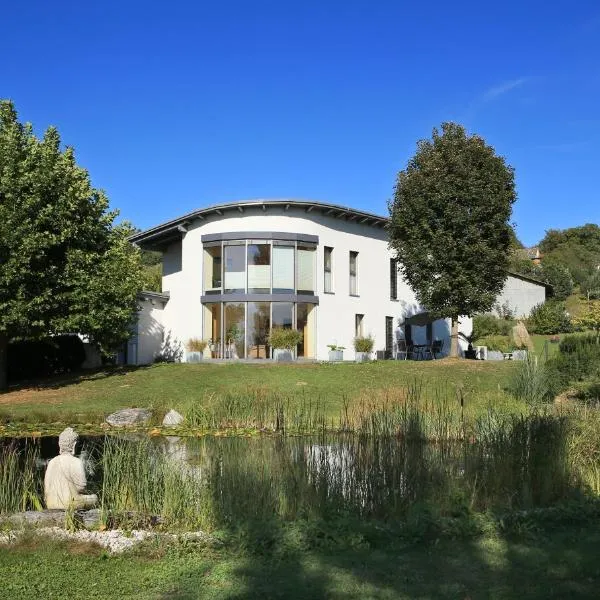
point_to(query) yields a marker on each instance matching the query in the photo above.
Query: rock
(172, 419)
(495, 355)
(53, 518)
(519, 355)
(129, 416)
(521, 336)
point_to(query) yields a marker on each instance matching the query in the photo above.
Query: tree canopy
(450, 223)
(64, 264)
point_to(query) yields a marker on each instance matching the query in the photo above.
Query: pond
(213, 481)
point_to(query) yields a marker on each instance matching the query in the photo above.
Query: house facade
(233, 272)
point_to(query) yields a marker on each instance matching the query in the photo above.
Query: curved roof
(169, 230)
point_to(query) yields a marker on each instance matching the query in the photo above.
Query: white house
(234, 271)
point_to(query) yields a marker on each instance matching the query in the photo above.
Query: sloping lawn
(89, 398)
(562, 564)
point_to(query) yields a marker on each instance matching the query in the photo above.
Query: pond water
(258, 477)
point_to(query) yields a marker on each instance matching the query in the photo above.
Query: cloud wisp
(503, 88)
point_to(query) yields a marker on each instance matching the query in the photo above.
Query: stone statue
(65, 477)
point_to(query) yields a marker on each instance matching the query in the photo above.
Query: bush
(549, 318)
(29, 359)
(196, 345)
(498, 343)
(578, 359)
(364, 344)
(489, 325)
(559, 277)
(285, 339)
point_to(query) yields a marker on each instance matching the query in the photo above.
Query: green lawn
(163, 386)
(561, 564)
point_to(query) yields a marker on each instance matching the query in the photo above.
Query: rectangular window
(235, 320)
(259, 268)
(258, 328)
(212, 269)
(327, 269)
(358, 325)
(389, 336)
(283, 268)
(393, 279)
(353, 273)
(235, 267)
(306, 269)
(305, 322)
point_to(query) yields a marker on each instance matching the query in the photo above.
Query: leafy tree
(590, 318)
(558, 276)
(450, 225)
(549, 318)
(64, 265)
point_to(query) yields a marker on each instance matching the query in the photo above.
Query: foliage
(335, 347)
(532, 381)
(20, 486)
(558, 276)
(41, 358)
(450, 225)
(64, 265)
(548, 318)
(591, 286)
(590, 318)
(196, 345)
(364, 344)
(498, 343)
(285, 339)
(152, 278)
(488, 324)
(577, 248)
(578, 360)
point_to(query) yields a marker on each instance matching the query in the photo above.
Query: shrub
(549, 318)
(578, 359)
(285, 339)
(559, 277)
(41, 358)
(489, 325)
(196, 345)
(363, 344)
(532, 382)
(499, 343)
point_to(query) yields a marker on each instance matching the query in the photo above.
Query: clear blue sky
(176, 105)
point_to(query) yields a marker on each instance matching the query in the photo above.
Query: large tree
(64, 265)
(450, 224)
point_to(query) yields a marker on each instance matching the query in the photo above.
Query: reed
(20, 482)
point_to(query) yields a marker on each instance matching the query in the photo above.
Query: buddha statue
(65, 479)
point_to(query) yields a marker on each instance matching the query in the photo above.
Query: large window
(283, 268)
(258, 329)
(393, 279)
(259, 268)
(305, 322)
(234, 330)
(353, 273)
(212, 269)
(235, 267)
(306, 269)
(212, 327)
(358, 325)
(283, 315)
(328, 269)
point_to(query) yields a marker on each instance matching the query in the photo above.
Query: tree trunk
(454, 338)
(3, 362)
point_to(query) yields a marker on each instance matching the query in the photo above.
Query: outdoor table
(418, 348)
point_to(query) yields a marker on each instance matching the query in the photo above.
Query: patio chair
(434, 350)
(402, 350)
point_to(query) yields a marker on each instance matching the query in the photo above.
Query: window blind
(283, 268)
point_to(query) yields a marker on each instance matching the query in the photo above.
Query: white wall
(335, 317)
(521, 296)
(150, 331)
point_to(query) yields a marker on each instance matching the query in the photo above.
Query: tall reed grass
(20, 484)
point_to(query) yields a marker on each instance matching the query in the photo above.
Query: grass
(562, 563)
(89, 398)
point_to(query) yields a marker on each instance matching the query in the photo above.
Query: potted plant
(195, 350)
(284, 341)
(363, 347)
(336, 352)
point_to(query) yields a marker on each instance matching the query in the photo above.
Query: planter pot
(207, 353)
(362, 357)
(519, 355)
(193, 357)
(482, 352)
(495, 355)
(336, 355)
(282, 355)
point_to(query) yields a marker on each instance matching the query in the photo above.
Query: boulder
(129, 416)
(53, 518)
(172, 419)
(521, 337)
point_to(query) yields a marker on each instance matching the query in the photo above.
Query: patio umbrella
(419, 320)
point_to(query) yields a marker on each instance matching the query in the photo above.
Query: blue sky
(174, 106)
